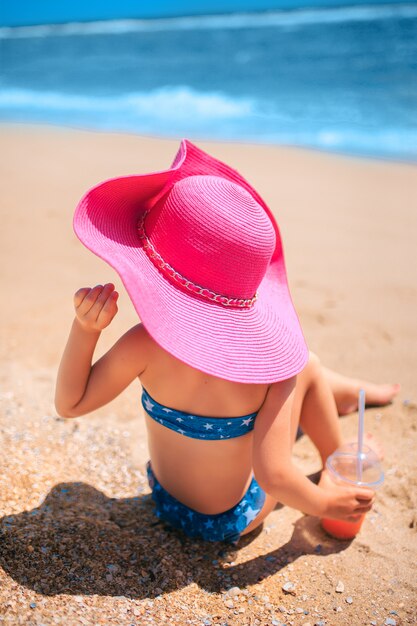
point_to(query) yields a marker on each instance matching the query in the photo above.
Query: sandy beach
(79, 543)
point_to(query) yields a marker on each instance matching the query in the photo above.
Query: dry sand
(78, 541)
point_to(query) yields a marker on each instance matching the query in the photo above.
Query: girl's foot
(346, 392)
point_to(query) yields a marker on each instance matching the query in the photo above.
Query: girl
(226, 375)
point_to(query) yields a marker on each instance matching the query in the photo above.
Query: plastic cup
(348, 467)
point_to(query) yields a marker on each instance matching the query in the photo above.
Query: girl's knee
(313, 367)
(313, 359)
(310, 373)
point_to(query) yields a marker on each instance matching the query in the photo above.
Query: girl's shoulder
(138, 338)
(135, 345)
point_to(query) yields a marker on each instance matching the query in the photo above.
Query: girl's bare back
(208, 476)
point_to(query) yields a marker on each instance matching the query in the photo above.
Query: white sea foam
(284, 19)
(166, 103)
(394, 143)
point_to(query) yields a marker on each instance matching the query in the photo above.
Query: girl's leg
(346, 390)
(315, 409)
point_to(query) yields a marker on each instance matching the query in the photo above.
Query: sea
(340, 79)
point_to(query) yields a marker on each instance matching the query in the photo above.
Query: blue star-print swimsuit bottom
(226, 526)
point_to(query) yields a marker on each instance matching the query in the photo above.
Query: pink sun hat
(201, 258)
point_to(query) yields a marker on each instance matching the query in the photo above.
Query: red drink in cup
(349, 466)
(341, 529)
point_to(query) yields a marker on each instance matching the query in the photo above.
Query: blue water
(342, 79)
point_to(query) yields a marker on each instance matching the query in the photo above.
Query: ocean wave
(166, 103)
(183, 112)
(388, 143)
(285, 19)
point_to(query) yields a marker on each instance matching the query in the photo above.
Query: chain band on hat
(170, 272)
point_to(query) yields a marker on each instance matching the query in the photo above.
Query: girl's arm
(82, 387)
(278, 476)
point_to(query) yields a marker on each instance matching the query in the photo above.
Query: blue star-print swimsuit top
(198, 426)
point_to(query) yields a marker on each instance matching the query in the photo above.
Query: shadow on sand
(78, 541)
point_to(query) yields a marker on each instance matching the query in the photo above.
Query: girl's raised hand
(95, 308)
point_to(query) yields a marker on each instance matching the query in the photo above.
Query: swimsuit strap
(198, 426)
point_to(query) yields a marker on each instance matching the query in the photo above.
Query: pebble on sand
(288, 587)
(233, 592)
(340, 587)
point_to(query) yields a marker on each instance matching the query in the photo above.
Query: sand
(79, 543)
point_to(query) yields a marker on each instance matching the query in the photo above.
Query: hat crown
(214, 233)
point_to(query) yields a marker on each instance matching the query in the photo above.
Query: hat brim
(261, 344)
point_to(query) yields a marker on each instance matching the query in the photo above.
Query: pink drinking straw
(360, 434)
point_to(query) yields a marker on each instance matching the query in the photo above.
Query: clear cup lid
(361, 470)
